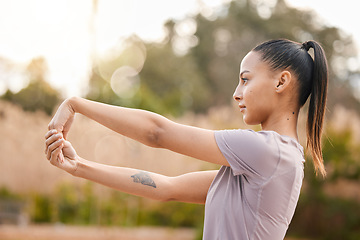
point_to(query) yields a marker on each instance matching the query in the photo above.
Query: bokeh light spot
(125, 82)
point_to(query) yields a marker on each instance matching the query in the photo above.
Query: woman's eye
(244, 80)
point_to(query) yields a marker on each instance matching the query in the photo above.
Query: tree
(163, 83)
(38, 95)
(239, 26)
(197, 65)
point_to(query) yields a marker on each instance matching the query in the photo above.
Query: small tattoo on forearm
(144, 178)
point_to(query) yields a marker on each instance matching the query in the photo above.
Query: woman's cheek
(248, 96)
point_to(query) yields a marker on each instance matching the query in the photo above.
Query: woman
(255, 192)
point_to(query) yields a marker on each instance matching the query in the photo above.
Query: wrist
(73, 103)
(80, 165)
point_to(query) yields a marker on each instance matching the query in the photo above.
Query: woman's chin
(246, 120)
(249, 121)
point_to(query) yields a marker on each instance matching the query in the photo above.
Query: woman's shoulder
(259, 144)
(263, 152)
(244, 143)
(262, 136)
(282, 140)
(244, 136)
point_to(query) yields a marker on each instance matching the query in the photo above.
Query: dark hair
(312, 75)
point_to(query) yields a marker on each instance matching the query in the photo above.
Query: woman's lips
(242, 108)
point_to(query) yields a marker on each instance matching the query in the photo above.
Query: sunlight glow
(70, 34)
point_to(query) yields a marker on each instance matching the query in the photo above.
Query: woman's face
(256, 90)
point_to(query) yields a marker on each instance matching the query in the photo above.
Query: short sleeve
(247, 152)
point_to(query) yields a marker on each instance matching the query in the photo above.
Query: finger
(53, 126)
(52, 147)
(49, 133)
(54, 156)
(67, 143)
(61, 156)
(51, 139)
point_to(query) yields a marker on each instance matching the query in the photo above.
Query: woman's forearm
(128, 180)
(140, 125)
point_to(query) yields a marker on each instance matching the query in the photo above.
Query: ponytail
(312, 74)
(317, 105)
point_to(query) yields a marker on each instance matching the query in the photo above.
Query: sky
(67, 34)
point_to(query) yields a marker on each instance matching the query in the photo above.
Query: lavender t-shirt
(254, 198)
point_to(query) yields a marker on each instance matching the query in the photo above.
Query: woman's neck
(284, 123)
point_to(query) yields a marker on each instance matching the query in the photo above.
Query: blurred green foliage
(169, 84)
(195, 70)
(174, 214)
(192, 70)
(318, 215)
(6, 194)
(167, 80)
(80, 205)
(344, 154)
(38, 94)
(41, 209)
(325, 217)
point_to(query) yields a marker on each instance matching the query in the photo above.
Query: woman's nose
(237, 94)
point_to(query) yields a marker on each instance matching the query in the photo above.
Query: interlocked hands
(58, 150)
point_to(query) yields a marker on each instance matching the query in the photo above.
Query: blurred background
(177, 58)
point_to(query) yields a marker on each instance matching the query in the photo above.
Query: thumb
(69, 150)
(57, 127)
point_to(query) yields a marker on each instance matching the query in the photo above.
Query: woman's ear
(283, 82)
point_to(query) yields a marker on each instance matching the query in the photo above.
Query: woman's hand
(60, 152)
(63, 118)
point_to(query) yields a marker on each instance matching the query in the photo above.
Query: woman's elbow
(154, 137)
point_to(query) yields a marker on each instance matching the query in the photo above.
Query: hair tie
(306, 46)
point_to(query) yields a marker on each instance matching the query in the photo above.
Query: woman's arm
(191, 187)
(143, 126)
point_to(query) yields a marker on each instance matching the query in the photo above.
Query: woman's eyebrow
(245, 71)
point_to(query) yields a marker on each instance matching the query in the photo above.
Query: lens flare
(131, 53)
(125, 82)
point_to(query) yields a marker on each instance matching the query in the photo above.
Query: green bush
(38, 95)
(174, 214)
(318, 215)
(41, 209)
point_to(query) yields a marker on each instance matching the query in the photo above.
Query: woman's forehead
(251, 62)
